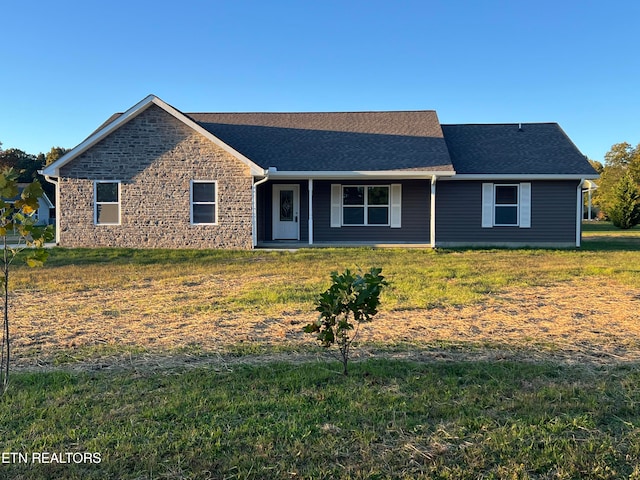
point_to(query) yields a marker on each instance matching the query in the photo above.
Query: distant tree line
(27, 165)
(618, 193)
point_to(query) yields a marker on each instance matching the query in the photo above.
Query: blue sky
(66, 66)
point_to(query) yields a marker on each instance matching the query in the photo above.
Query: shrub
(625, 211)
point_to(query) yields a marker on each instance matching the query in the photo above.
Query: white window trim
(192, 203)
(523, 205)
(498, 205)
(366, 207)
(96, 203)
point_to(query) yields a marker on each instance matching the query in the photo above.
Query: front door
(286, 209)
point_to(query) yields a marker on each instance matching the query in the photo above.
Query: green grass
(388, 419)
(598, 227)
(603, 236)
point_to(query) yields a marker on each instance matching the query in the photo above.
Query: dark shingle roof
(535, 148)
(349, 141)
(409, 141)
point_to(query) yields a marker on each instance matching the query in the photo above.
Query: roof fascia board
(521, 176)
(53, 170)
(336, 175)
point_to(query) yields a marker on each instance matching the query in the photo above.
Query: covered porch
(291, 213)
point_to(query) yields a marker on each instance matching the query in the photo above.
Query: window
(106, 202)
(203, 202)
(365, 205)
(506, 205)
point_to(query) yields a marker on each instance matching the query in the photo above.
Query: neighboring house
(156, 177)
(43, 215)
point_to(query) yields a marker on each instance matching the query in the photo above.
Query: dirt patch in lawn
(583, 320)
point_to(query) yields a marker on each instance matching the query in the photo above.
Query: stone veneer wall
(155, 156)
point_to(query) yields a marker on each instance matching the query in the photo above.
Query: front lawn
(164, 364)
(388, 419)
(85, 304)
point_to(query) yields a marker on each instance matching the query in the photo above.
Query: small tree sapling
(351, 298)
(18, 231)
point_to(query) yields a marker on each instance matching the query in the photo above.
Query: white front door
(286, 210)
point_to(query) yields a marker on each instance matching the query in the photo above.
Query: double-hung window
(506, 205)
(365, 205)
(204, 202)
(106, 195)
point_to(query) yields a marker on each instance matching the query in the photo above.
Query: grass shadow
(611, 243)
(604, 236)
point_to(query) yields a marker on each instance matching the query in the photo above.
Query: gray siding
(459, 215)
(415, 215)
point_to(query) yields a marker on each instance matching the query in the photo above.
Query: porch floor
(294, 245)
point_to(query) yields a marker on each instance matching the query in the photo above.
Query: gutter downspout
(254, 208)
(50, 179)
(579, 203)
(310, 211)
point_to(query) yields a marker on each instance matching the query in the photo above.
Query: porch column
(310, 211)
(579, 206)
(432, 217)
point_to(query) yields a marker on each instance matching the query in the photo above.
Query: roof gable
(21, 187)
(117, 121)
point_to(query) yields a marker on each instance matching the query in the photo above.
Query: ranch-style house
(156, 177)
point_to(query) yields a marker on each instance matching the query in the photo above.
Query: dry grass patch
(592, 318)
(586, 317)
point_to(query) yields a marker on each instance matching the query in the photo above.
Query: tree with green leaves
(18, 233)
(621, 159)
(350, 298)
(597, 166)
(54, 154)
(26, 164)
(621, 155)
(624, 211)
